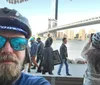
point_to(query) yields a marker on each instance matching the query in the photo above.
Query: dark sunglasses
(17, 43)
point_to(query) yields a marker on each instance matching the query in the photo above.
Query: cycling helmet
(32, 39)
(96, 40)
(10, 19)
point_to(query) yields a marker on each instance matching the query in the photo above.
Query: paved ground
(77, 70)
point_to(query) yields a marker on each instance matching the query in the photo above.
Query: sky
(38, 11)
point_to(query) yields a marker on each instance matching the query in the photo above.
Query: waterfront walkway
(77, 70)
(74, 51)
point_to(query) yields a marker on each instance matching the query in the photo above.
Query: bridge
(86, 22)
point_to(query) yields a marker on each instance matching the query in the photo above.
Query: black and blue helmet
(96, 40)
(11, 19)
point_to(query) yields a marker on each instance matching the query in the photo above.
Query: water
(74, 47)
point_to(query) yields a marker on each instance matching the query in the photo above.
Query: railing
(62, 80)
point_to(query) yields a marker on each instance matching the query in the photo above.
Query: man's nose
(7, 48)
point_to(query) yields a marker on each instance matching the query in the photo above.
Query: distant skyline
(38, 11)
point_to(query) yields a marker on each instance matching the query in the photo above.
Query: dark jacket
(50, 40)
(48, 62)
(63, 51)
(40, 48)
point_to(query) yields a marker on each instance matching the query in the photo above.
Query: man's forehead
(10, 33)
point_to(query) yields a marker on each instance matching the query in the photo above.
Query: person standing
(91, 53)
(40, 46)
(63, 55)
(47, 58)
(40, 49)
(39, 53)
(50, 39)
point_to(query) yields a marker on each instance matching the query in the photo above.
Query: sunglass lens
(18, 43)
(2, 41)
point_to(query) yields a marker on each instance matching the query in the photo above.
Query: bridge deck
(86, 22)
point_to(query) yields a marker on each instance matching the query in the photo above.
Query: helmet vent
(5, 10)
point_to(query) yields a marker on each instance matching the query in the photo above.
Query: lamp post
(16, 1)
(56, 9)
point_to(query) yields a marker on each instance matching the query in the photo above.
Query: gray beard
(9, 72)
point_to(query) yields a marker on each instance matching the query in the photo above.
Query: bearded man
(14, 34)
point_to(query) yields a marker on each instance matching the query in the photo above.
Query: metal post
(56, 9)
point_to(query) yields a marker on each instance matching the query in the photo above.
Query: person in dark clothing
(40, 49)
(64, 55)
(39, 53)
(48, 62)
(50, 39)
